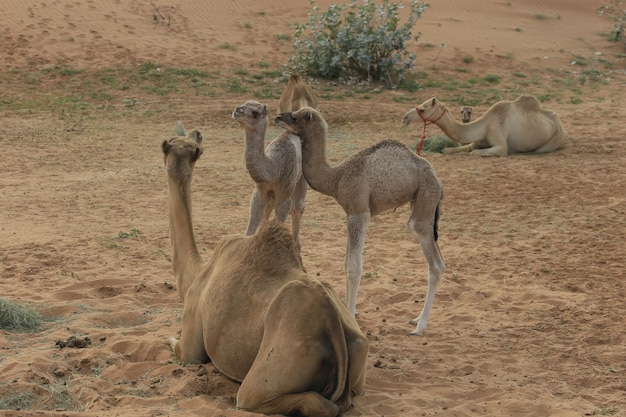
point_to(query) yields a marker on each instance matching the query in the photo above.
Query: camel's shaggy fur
(256, 315)
(507, 127)
(277, 169)
(384, 176)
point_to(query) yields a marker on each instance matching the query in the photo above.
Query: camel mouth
(238, 112)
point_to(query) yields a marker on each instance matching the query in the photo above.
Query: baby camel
(506, 127)
(277, 170)
(254, 312)
(384, 176)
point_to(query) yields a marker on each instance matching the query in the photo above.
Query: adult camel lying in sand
(277, 170)
(254, 312)
(382, 177)
(505, 128)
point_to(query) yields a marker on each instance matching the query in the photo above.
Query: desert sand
(529, 316)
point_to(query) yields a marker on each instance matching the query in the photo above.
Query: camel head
(297, 122)
(466, 113)
(251, 114)
(180, 154)
(429, 111)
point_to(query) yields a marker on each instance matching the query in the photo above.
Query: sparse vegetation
(437, 143)
(18, 318)
(359, 39)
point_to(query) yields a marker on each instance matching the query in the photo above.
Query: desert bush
(360, 39)
(619, 26)
(15, 317)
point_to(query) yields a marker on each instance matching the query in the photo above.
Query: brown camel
(505, 128)
(277, 170)
(382, 177)
(256, 315)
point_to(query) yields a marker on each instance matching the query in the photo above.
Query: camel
(466, 114)
(277, 170)
(382, 177)
(505, 128)
(296, 95)
(253, 311)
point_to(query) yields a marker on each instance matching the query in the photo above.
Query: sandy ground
(528, 319)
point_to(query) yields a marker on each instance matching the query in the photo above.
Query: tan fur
(382, 177)
(277, 169)
(505, 128)
(254, 312)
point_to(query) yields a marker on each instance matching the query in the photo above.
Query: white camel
(507, 127)
(382, 177)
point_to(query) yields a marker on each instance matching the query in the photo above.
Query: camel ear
(434, 101)
(196, 156)
(165, 146)
(196, 135)
(309, 115)
(265, 110)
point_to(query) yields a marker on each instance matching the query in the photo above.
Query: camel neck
(458, 132)
(254, 153)
(185, 255)
(316, 169)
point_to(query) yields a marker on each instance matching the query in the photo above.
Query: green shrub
(360, 39)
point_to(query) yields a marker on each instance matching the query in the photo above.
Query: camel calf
(254, 312)
(277, 169)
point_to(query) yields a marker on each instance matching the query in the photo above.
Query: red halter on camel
(418, 149)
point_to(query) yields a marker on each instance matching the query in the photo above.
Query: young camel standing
(277, 169)
(384, 176)
(256, 315)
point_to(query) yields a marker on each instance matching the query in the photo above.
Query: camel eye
(255, 114)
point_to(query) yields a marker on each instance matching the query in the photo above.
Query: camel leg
(458, 149)
(309, 366)
(553, 144)
(421, 224)
(303, 404)
(495, 146)
(190, 348)
(357, 344)
(297, 209)
(493, 151)
(282, 210)
(357, 226)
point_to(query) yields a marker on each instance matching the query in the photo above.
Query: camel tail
(340, 346)
(436, 224)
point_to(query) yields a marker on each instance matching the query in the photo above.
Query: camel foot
(173, 342)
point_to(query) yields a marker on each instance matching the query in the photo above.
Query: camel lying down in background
(507, 127)
(254, 312)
